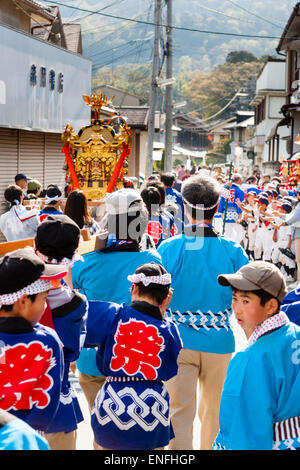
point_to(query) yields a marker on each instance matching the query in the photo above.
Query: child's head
(57, 239)
(14, 195)
(53, 195)
(151, 283)
(258, 291)
(24, 284)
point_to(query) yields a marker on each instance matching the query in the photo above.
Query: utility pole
(154, 88)
(169, 90)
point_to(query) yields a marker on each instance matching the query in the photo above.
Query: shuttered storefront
(36, 154)
(54, 161)
(8, 161)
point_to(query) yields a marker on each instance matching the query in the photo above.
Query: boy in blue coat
(137, 353)
(31, 361)
(56, 243)
(260, 407)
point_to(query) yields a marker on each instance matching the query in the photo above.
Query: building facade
(271, 133)
(41, 88)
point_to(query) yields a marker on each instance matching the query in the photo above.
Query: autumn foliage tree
(210, 92)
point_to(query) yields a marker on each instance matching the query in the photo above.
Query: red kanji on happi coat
(231, 195)
(155, 230)
(24, 381)
(137, 348)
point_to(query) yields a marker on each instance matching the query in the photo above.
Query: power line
(179, 28)
(98, 11)
(253, 14)
(225, 14)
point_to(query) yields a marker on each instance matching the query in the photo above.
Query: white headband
(65, 261)
(164, 279)
(200, 206)
(41, 285)
(50, 199)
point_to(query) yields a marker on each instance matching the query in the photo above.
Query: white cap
(120, 202)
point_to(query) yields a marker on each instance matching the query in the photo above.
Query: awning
(273, 132)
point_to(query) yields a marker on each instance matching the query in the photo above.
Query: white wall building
(41, 88)
(270, 130)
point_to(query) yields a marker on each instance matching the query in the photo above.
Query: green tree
(240, 56)
(211, 92)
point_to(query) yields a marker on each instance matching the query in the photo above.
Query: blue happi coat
(291, 305)
(31, 371)
(137, 351)
(260, 406)
(69, 314)
(233, 211)
(200, 306)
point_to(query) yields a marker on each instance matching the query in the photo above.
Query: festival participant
(260, 407)
(103, 274)
(21, 180)
(291, 305)
(53, 203)
(56, 243)
(201, 311)
(233, 229)
(174, 197)
(31, 362)
(137, 352)
(160, 223)
(34, 188)
(264, 231)
(293, 219)
(15, 434)
(18, 223)
(77, 209)
(282, 254)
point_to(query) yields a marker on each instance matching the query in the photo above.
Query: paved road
(85, 435)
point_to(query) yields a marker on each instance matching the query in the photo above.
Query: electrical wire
(179, 28)
(253, 14)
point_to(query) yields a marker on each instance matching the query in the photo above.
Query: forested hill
(111, 41)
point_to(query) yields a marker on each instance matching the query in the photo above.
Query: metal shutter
(8, 161)
(55, 160)
(8, 165)
(32, 149)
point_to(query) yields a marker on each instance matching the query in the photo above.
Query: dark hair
(13, 193)
(52, 192)
(152, 198)
(159, 185)
(263, 296)
(8, 308)
(167, 179)
(156, 292)
(201, 190)
(77, 208)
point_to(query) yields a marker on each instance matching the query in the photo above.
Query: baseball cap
(255, 276)
(287, 206)
(21, 268)
(21, 176)
(263, 200)
(33, 184)
(57, 237)
(123, 201)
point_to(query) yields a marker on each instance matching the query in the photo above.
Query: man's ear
(134, 289)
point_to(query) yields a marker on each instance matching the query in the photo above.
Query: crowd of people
(145, 320)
